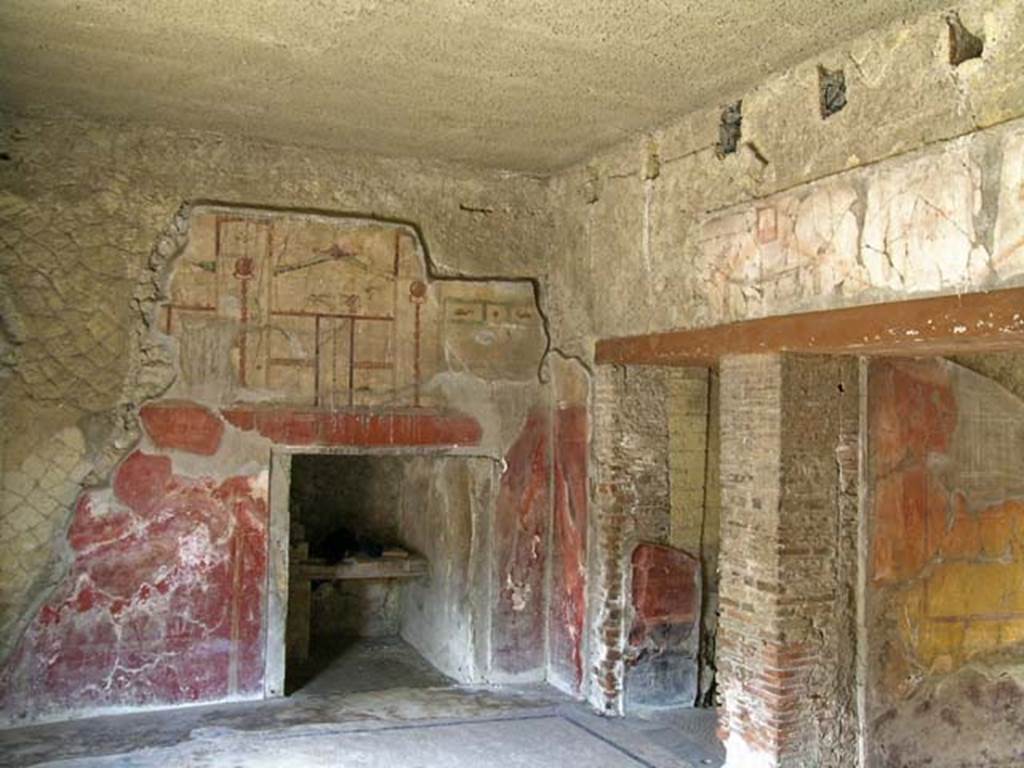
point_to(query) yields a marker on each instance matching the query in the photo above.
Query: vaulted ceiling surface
(528, 85)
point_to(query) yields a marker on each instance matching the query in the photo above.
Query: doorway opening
(350, 565)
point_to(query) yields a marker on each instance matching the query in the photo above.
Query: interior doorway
(348, 566)
(378, 573)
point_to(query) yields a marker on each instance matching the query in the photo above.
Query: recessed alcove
(374, 546)
(347, 561)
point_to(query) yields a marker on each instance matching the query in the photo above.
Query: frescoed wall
(289, 330)
(946, 566)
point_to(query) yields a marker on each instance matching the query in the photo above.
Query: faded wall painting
(312, 312)
(290, 329)
(946, 589)
(928, 224)
(331, 313)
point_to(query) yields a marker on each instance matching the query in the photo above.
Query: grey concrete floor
(376, 706)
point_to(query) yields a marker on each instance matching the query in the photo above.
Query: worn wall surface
(786, 639)
(946, 588)
(645, 597)
(570, 531)
(279, 329)
(82, 207)
(878, 201)
(446, 510)
(914, 188)
(665, 632)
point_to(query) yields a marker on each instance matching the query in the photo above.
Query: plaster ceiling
(518, 84)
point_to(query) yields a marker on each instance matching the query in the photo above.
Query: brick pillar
(630, 504)
(788, 560)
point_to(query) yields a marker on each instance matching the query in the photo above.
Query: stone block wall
(786, 638)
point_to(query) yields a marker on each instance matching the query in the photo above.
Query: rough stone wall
(788, 570)
(945, 601)
(664, 232)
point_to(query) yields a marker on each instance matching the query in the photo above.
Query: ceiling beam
(991, 321)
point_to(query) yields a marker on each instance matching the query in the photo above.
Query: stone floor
(364, 665)
(377, 705)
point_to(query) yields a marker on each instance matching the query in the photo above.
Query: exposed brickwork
(688, 452)
(785, 640)
(632, 504)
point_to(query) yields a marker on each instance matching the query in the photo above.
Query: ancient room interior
(512, 384)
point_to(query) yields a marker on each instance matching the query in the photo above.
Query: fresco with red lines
(310, 311)
(285, 329)
(331, 313)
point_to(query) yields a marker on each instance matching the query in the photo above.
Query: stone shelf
(361, 567)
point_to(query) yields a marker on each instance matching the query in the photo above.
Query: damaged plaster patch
(919, 224)
(964, 45)
(831, 91)
(730, 129)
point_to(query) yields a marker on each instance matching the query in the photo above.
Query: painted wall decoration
(664, 638)
(296, 330)
(302, 310)
(935, 222)
(569, 546)
(163, 601)
(946, 590)
(521, 531)
(332, 313)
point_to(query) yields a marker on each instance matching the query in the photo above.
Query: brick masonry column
(631, 503)
(788, 560)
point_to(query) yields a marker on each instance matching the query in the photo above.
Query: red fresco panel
(520, 541)
(568, 574)
(162, 603)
